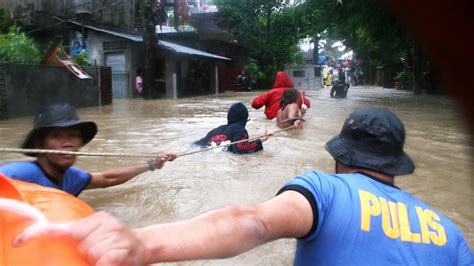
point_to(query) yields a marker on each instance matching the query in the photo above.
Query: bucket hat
(58, 116)
(372, 138)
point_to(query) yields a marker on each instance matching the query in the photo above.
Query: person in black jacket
(237, 118)
(339, 90)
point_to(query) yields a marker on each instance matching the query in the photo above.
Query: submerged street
(437, 140)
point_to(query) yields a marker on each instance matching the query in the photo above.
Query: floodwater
(437, 140)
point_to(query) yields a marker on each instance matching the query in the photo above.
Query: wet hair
(139, 71)
(290, 96)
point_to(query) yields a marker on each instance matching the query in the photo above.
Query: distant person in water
(329, 78)
(289, 113)
(139, 81)
(233, 131)
(271, 99)
(339, 90)
(57, 127)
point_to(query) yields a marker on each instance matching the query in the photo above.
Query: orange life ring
(43, 250)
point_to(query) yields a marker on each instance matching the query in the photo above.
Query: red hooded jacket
(271, 99)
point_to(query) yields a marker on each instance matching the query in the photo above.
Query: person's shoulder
(318, 176)
(17, 166)
(315, 181)
(234, 127)
(293, 106)
(25, 171)
(75, 178)
(76, 170)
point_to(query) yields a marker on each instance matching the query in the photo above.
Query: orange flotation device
(44, 249)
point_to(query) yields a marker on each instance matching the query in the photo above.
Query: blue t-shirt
(74, 181)
(359, 220)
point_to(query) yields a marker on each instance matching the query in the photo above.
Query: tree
(16, 47)
(370, 29)
(367, 27)
(271, 26)
(4, 19)
(149, 43)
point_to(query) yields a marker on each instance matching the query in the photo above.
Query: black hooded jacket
(237, 117)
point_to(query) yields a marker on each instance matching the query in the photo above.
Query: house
(124, 52)
(187, 63)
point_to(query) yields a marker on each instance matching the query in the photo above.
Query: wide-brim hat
(58, 116)
(372, 138)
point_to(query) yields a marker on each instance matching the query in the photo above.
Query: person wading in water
(57, 127)
(289, 113)
(355, 216)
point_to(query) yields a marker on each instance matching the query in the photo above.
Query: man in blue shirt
(57, 127)
(356, 216)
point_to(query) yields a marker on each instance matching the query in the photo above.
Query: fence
(25, 88)
(120, 84)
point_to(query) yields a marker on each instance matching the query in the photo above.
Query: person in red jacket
(271, 99)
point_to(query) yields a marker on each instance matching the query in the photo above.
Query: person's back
(283, 118)
(271, 99)
(289, 114)
(394, 228)
(339, 90)
(233, 131)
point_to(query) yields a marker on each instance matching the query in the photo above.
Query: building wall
(25, 88)
(306, 77)
(100, 44)
(117, 13)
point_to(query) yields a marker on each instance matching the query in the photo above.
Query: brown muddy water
(437, 140)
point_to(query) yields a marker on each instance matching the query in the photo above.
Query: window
(114, 46)
(299, 73)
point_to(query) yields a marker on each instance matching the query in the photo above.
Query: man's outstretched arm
(219, 233)
(121, 175)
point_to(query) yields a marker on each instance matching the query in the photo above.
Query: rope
(101, 154)
(116, 154)
(232, 143)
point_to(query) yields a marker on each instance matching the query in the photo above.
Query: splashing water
(224, 145)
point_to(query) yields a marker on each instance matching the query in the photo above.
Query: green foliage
(299, 58)
(329, 47)
(365, 26)
(404, 78)
(4, 19)
(81, 58)
(16, 47)
(271, 26)
(274, 28)
(253, 69)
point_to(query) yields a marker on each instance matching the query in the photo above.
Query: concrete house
(124, 53)
(111, 35)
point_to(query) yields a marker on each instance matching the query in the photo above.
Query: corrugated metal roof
(187, 50)
(132, 37)
(177, 48)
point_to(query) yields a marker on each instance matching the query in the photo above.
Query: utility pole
(315, 41)
(417, 70)
(149, 42)
(176, 15)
